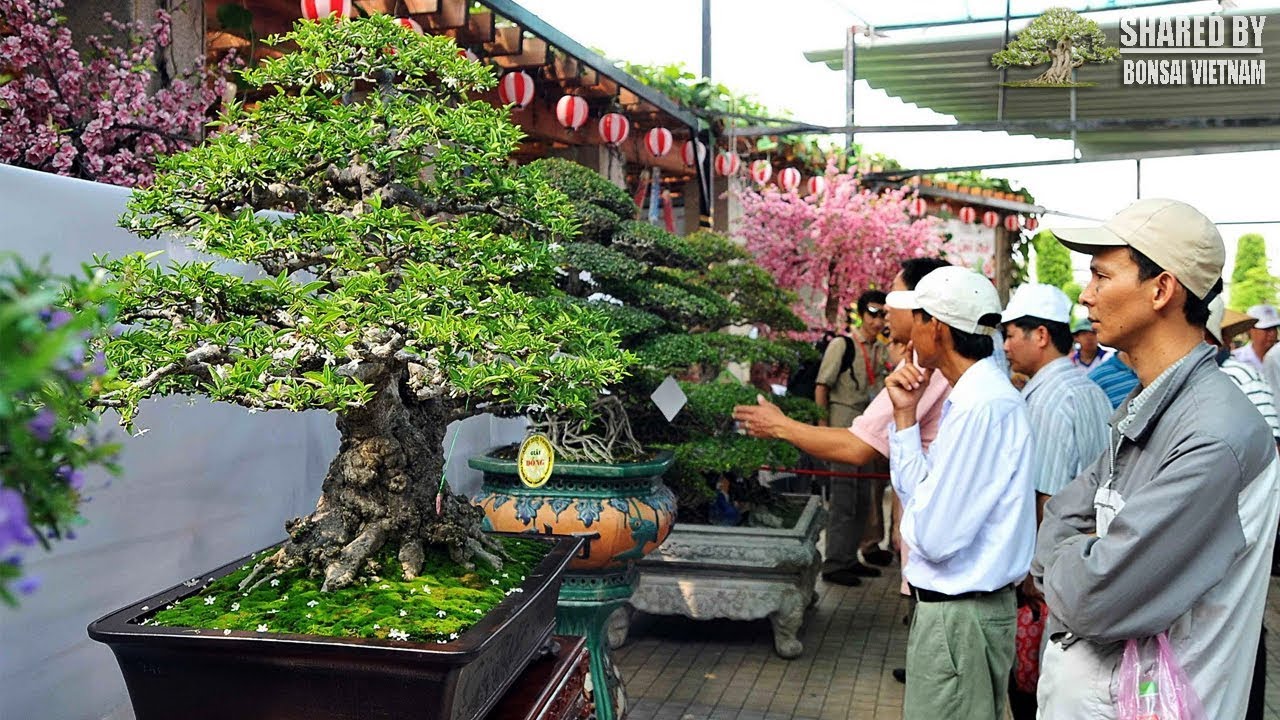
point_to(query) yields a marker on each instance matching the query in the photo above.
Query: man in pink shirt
(868, 438)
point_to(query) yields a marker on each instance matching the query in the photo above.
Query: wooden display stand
(553, 687)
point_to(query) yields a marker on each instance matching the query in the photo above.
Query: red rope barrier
(828, 473)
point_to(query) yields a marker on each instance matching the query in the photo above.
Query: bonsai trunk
(1060, 68)
(385, 487)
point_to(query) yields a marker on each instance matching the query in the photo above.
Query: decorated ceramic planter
(174, 672)
(621, 511)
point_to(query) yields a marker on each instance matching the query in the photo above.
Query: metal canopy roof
(954, 76)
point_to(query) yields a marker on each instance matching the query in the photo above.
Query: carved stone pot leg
(786, 621)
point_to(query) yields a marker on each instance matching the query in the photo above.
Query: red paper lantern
(316, 9)
(991, 218)
(411, 24)
(571, 111)
(727, 163)
(692, 152)
(917, 207)
(817, 185)
(1011, 223)
(968, 214)
(789, 179)
(516, 88)
(1031, 224)
(614, 128)
(658, 141)
(761, 171)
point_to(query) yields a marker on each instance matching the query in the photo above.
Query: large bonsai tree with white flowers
(409, 280)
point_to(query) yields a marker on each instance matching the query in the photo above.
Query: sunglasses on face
(875, 311)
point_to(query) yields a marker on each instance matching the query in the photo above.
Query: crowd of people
(1075, 485)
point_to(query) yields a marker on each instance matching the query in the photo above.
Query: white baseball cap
(958, 297)
(1266, 316)
(1038, 300)
(1225, 322)
(1176, 236)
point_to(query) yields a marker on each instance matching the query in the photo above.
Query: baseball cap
(1081, 325)
(1227, 323)
(1266, 316)
(958, 297)
(1176, 236)
(1038, 300)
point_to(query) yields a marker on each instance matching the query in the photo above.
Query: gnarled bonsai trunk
(384, 487)
(1060, 69)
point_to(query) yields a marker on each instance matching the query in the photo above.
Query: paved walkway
(679, 669)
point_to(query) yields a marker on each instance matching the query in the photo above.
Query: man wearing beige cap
(1172, 530)
(968, 516)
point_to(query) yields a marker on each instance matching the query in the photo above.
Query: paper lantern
(516, 88)
(968, 214)
(727, 163)
(692, 152)
(1031, 224)
(761, 171)
(658, 141)
(614, 128)
(917, 207)
(789, 179)
(316, 9)
(571, 111)
(991, 218)
(1011, 223)
(817, 185)
(411, 24)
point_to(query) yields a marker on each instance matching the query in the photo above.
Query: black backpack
(804, 381)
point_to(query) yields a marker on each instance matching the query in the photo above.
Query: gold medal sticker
(536, 460)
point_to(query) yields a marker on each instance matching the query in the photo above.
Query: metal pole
(1004, 72)
(706, 38)
(850, 81)
(1138, 164)
(1074, 152)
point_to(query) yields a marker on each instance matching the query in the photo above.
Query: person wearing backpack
(852, 372)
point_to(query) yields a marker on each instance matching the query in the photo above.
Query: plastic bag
(1026, 651)
(1157, 689)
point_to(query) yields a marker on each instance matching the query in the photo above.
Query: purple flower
(58, 319)
(99, 366)
(28, 584)
(41, 426)
(14, 529)
(71, 476)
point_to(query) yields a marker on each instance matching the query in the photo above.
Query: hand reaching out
(762, 420)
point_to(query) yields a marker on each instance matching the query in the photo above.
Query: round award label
(536, 460)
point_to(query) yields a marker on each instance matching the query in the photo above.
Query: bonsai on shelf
(671, 300)
(407, 281)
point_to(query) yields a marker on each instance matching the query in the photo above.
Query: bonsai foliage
(48, 373)
(408, 279)
(105, 119)
(1251, 279)
(829, 250)
(1061, 38)
(671, 299)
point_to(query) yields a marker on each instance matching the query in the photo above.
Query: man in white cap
(1262, 336)
(968, 504)
(1068, 414)
(1172, 530)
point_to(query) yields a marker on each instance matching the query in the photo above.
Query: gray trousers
(849, 504)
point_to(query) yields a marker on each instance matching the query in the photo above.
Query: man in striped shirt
(1068, 412)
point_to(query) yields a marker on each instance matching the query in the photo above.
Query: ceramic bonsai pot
(194, 674)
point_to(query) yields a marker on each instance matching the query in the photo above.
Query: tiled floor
(679, 669)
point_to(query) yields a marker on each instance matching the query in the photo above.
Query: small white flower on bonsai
(376, 626)
(210, 599)
(453, 636)
(235, 607)
(275, 582)
(312, 603)
(226, 632)
(441, 613)
(262, 628)
(403, 613)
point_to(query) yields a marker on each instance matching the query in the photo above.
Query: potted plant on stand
(407, 279)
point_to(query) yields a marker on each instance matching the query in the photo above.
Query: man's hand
(763, 420)
(1029, 589)
(906, 385)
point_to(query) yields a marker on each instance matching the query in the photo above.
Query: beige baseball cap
(957, 296)
(1176, 236)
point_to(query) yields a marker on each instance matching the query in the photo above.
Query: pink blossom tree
(106, 119)
(829, 249)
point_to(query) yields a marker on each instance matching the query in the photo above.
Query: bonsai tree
(669, 298)
(407, 282)
(1251, 279)
(829, 250)
(47, 375)
(1061, 38)
(53, 116)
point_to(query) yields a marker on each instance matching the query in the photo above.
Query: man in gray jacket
(1172, 529)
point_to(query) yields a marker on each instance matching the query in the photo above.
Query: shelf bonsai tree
(407, 282)
(670, 299)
